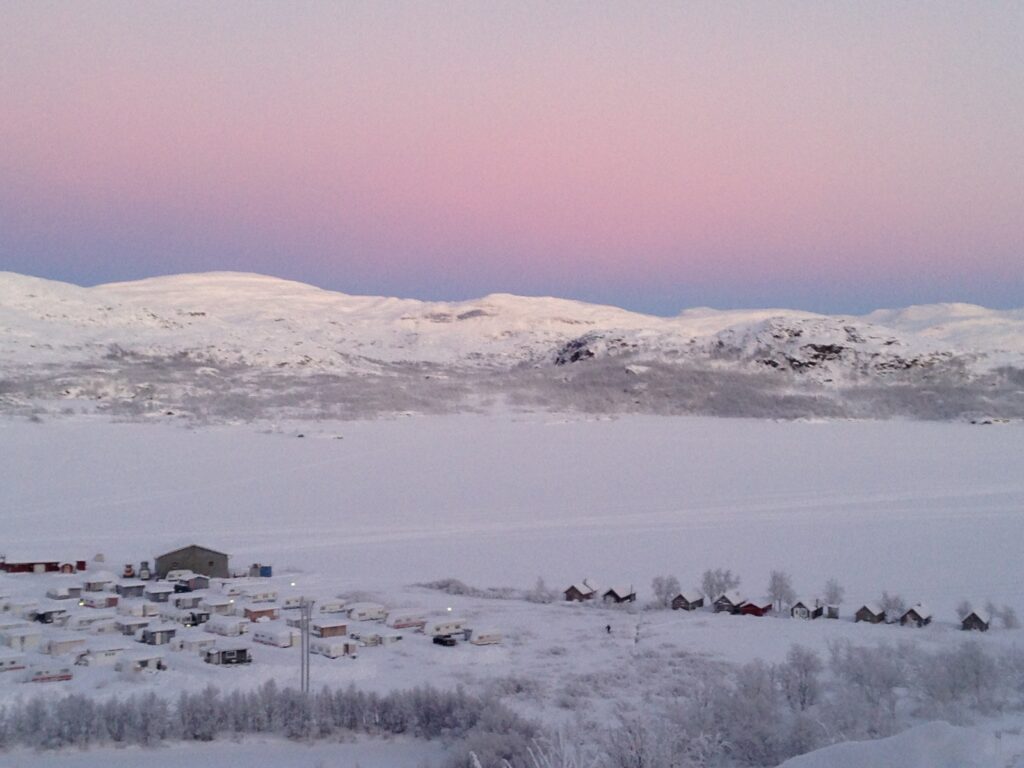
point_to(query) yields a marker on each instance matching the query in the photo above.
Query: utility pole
(306, 616)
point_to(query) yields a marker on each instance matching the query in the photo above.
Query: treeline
(474, 724)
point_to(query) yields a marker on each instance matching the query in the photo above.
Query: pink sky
(655, 155)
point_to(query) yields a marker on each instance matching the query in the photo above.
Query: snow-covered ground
(368, 509)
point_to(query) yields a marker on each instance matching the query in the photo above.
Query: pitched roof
(875, 608)
(689, 595)
(920, 610)
(733, 596)
(621, 592)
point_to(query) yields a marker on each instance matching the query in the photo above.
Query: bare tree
(665, 588)
(715, 583)
(780, 589)
(833, 593)
(892, 606)
(963, 609)
(1009, 617)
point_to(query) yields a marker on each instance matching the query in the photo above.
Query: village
(191, 610)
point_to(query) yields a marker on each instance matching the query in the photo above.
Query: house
(261, 612)
(228, 626)
(21, 639)
(807, 609)
(129, 625)
(101, 600)
(729, 602)
(64, 592)
(619, 595)
(871, 613)
(98, 582)
(367, 612)
(917, 616)
(977, 620)
(578, 593)
(687, 601)
(756, 608)
(59, 645)
(137, 662)
(51, 615)
(160, 634)
(334, 649)
(130, 588)
(233, 654)
(200, 560)
(328, 628)
(159, 593)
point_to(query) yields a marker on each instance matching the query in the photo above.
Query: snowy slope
(188, 341)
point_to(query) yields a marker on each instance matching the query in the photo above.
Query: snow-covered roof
(733, 596)
(131, 583)
(98, 577)
(621, 591)
(583, 588)
(920, 610)
(690, 595)
(160, 588)
(874, 608)
(217, 600)
(978, 613)
(163, 628)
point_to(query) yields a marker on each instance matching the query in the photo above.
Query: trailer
(227, 626)
(11, 662)
(331, 606)
(48, 674)
(445, 627)
(367, 612)
(487, 638)
(228, 655)
(279, 637)
(405, 621)
(334, 649)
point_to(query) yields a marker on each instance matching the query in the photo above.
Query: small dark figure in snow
(608, 628)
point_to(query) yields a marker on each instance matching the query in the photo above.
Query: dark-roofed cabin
(619, 595)
(918, 616)
(979, 621)
(803, 610)
(578, 593)
(729, 602)
(201, 560)
(686, 601)
(756, 608)
(870, 613)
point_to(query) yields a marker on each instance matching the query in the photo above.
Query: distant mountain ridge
(230, 345)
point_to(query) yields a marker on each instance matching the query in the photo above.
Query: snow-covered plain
(929, 510)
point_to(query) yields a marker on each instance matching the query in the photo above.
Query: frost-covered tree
(714, 582)
(833, 593)
(892, 606)
(798, 677)
(963, 609)
(780, 589)
(541, 593)
(1009, 617)
(665, 588)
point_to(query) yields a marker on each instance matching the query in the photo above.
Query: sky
(656, 156)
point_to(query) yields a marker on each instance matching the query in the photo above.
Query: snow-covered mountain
(231, 345)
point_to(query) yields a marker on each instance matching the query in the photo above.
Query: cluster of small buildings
(734, 602)
(187, 602)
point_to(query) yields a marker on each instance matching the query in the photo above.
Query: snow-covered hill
(232, 345)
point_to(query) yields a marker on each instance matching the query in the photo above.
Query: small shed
(160, 634)
(98, 582)
(129, 625)
(831, 611)
(328, 628)
(200, 560)
(916, 616)
(225, 655)
(159, 593)
(64, 592)
(729, 602)
(261, 612)
(872, 613)
(220, 605)
(807, 609)
(21, 639)
(687, 601)
(51, 615)
(581, 592)
(192, 582)
(977, 620)
(619, 595)
(756, 608)
(130, 588)
(99, 600)
(137, 662)
(60, 645)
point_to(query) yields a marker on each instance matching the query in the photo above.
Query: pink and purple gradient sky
(833, 157)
